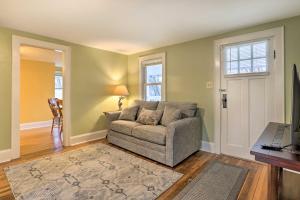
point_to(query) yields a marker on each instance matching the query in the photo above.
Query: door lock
(224, 100)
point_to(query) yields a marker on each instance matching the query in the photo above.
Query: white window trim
(278, 36)
(147, 59)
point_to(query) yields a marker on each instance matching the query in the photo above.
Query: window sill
(247, 74)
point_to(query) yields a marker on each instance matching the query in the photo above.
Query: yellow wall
(37, 85)
(92, 70)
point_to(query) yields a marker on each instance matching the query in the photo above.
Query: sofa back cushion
(187, 109)
(129, 113)
(149, 117)
(170, 114)
(150, 105)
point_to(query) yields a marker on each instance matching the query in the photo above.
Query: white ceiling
(130, 26)
(41, 54)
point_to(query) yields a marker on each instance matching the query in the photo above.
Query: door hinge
(274, 54)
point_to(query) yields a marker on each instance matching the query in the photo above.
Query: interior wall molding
(208, 147)
(87, 137)
(32, 125)
(17, 42)
(5, 155)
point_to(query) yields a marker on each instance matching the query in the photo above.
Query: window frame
(145, 61)
(269, 56)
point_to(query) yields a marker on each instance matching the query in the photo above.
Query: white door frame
(17, 41)
(278, 35)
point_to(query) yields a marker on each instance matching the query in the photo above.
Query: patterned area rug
(217, 181)
(97, 171)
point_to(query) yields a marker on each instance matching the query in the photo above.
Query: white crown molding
(32, 125)
(87, 137)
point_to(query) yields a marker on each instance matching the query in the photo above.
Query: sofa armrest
(183, 139)
(112, 116)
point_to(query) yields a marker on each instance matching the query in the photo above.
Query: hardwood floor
(39, 139)
(253, 188)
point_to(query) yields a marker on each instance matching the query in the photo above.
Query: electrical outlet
(209, 85)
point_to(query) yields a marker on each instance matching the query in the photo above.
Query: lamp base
(120, 103)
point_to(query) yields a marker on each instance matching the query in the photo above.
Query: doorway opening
(41, 99)
(60, 93)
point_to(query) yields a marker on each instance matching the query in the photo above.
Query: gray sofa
(168, 145)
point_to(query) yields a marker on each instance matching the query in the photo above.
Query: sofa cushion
(155, 134)
(129, 113)
(171, 114)
(150, 105)
(149, 117)
(123, 126)
(187, 109)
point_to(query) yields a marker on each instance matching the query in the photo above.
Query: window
(152, 77)
(58, 86)
(247, 58)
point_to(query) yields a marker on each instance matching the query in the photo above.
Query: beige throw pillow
(149, 117)
(129, 113)
(171, 114)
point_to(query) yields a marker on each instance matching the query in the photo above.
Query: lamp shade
(120, 90)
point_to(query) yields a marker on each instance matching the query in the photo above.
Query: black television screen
(295, 123)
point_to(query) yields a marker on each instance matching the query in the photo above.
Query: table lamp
(121, 91)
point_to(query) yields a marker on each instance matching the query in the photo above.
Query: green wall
(92, 71)
(190, 65)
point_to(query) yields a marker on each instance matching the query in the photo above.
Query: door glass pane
(246, 58)
(245, 52)
(227, 54)
(153, 73)
(260, 49)
(232, 67)
(260, 65)
(233, 53)
(153, 92)
(245, 66)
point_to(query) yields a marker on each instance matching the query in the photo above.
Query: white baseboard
(208, 147)
(292, 171)
(32, 125)
(5, 155)
(86, 137)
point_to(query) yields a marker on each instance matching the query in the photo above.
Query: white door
(247, 71)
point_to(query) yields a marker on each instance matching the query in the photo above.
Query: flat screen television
(295, 121)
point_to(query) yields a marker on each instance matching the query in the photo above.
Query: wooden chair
(56, 109)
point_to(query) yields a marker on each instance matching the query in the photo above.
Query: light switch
(209, 85)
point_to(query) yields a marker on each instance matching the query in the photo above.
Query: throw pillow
(129, 113)
(149, 117)
(150, 105)
(171, 114)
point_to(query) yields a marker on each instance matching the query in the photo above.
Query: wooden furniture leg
(52, 126)
(274, 182)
